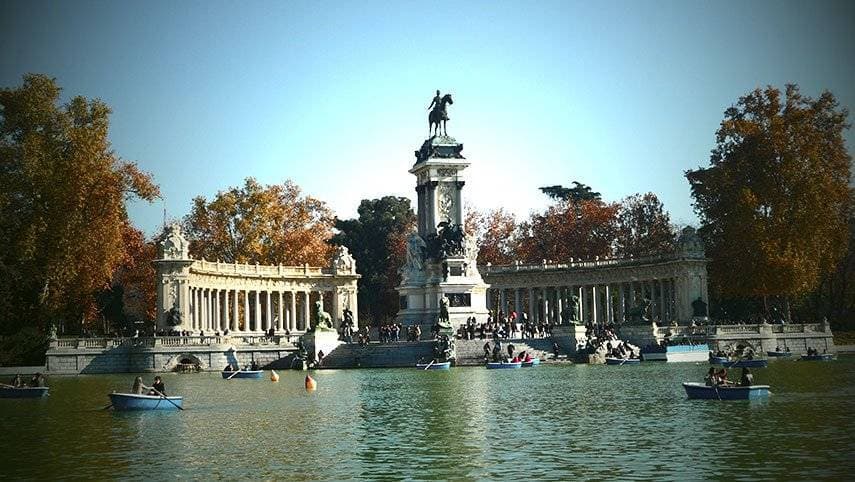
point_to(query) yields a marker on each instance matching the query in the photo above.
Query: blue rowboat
(623, 361)
(701, 391)
(718, 360)
(130, 401)
(244, 374)
(533, 362)
(755, 363)
(23, 392)
(820, 357)
(779, 353)
(435, 366)
(503, 365)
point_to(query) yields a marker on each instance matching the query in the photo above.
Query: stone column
(531, 311)
(545, 293)
(235, 321)
(246, 314)
(269, 307)
(607, 293)
(517, 301)
(215, 310)
(292, 314)
(596, 312)
(621, 303)
(503, 301)
(458, 204)
(280, 324)
(306, 309)
(559, 304)
(583, 304)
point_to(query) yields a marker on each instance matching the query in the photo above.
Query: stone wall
(133, 355)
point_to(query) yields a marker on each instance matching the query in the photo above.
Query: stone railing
(215, 267)
(174, 342)
(596, 263)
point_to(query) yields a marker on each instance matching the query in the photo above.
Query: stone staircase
(471, 352)
(379, 355)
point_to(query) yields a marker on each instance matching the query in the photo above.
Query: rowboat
(244, 374)
(820, 357)
(130, 401)
(754, 363)
(701, 391)
(503, 365)
(531, 363)
(23, 392)
(434, 366)
(718, 360)
(623, 361)
(779, 353)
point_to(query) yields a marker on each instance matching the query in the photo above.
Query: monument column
(306, 309)
(517, 302)
(292, 313)
(246, 314)
(235, 321)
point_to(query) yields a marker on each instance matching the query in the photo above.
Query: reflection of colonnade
(199, 295)
(606, 290)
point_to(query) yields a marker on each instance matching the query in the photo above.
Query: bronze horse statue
(439, 114)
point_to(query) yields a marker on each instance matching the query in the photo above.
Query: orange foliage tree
(569, 229)
(62, 206)
(496, 232)
(273, 224)
(774, 200)
(643, 227)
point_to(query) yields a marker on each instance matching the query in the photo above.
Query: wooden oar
(7, 385)
(108, 406)
(233, 374)
(165, 398)
(430, 364)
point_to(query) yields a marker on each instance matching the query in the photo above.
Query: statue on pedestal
(322, 320)
(438, 114)
(444, 319)
(570, 313)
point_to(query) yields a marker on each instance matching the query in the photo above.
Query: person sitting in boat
(721, 375)
(228, 368)
(253, 366)
(487, 350)
(527, 358)
(711, 379)
(747, 379)
(157, 386)
(138, 387)
(750, 355)
(38, 380)
(17, 382)
(787, 349)
(515, 359)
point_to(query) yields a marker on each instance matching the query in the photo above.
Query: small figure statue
(444, 319)
(570, 313)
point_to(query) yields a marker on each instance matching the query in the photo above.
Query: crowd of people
(512, 326)
(494, 353)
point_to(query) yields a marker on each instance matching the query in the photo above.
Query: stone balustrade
(249, 270)
(596, 263)
(172, 341)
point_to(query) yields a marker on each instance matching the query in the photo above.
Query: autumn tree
(62, 205)
(773, 201)
(377, 241)
(496, 233)
(643, 227)
(274, 224)
(582, 230)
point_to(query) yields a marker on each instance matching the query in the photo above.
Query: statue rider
(436, 102)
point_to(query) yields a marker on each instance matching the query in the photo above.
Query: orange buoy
(274, 377)
(311, 384)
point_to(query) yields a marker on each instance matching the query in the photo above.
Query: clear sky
(623, 96)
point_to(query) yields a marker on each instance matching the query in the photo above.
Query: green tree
(377, 241)
(773, 203)
(273, 224)
(643, 227)
(62, 206)
(579, 192)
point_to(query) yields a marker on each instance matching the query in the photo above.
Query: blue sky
(623, 96)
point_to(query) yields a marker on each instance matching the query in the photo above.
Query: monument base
(321, 341)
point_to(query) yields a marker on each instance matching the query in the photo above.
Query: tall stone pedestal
(441, 260)
(321, 341)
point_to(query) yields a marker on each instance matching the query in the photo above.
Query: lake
(544, 423)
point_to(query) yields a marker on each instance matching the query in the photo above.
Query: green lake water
(545, 423)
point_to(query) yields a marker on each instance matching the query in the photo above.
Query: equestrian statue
(438, 114)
